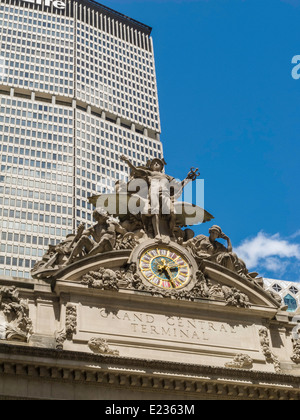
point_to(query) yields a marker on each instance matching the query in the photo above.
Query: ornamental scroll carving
(296, 351)
(70, 327)
(60, 338)
(15, 324)
(266, 349)
(71, 321)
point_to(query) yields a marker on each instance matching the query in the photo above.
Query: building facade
(77, 90)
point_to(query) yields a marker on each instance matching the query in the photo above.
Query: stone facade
(81, 341)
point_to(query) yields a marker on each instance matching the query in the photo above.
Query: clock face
(164, 267)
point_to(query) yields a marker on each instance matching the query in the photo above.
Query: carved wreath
(106, 279)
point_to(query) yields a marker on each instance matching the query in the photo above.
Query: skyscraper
(77, 89)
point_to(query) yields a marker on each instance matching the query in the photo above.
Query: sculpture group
(158, 219)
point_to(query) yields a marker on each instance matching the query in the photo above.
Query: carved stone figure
(18, 325)
(99, 238)
(100, 346)
(160, 194)
(208, 248)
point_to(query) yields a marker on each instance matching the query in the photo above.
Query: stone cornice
(185, 379)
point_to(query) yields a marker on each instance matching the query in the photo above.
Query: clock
(165, 267)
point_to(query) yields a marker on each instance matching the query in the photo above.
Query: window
(277, 288)
(291, 303)
(294, 290)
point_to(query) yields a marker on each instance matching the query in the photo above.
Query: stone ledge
(11, 353)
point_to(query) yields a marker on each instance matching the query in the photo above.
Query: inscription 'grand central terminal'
(173, 327)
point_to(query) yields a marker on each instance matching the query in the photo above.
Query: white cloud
(276, 265)
(295, 235)
(270, 252)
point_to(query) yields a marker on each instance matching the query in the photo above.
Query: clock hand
(163, 265)
(165, 268)
(172, 267)
(170, 275)
(160, 267)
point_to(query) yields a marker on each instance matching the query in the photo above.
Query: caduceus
(193, 174)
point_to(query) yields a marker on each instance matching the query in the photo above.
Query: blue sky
(230, 106)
